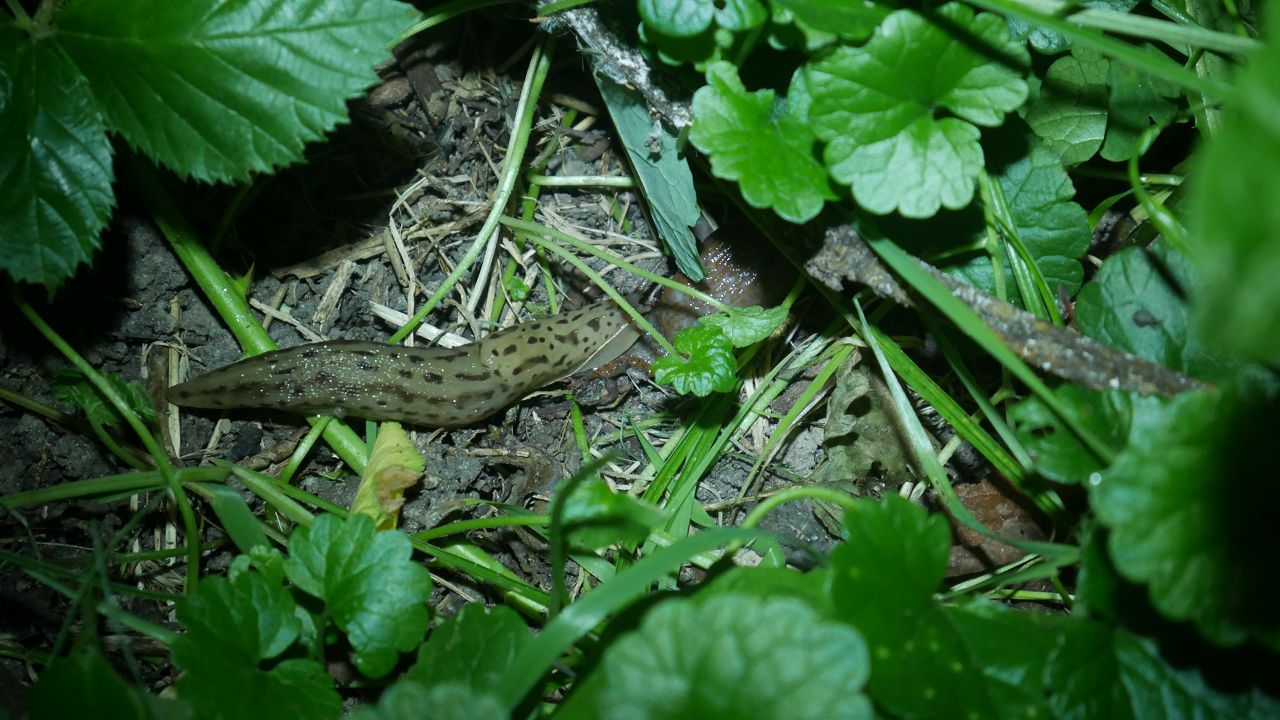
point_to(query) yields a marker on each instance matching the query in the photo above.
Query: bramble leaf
(1069, 113)
(876, 107)
(219, 91)
(55, 163)
(766, 147)
(746, 326)
(730, 656)
(710, 367)
(1173, 502)
(369, 583)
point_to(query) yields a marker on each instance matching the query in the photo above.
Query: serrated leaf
(474, 648)
(233, 626)
(411, 700)
(217, 91)
(1136, 101)
(1236, 233)
(747, 326)
(1056, 450)
(766, 148)
(852, 20)
(369, 583)
(709, 368)
(395, 465)
(1011, 650)
(1069, 113)
(1190, 502)
(1051, 42)
(74, 389)
(83, 685)
(664, 176)
(1099, 672)
(877, 108)
(596, 517)
(730, 656)
(686, 18)
(55, 163)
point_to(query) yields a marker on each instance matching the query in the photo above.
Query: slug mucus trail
(436, 387)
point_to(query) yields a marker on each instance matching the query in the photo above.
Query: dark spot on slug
(535, 339)
(433, 378)
(366, 366)
(474, 397)
(594, 324)
(510, 349)
(285, 371)
(310, 353)
(382, 402)
(564, 339)
(416, 359)
(406, 374)
(273, 361)
(324, 377)
(530, 364)
(472, 377)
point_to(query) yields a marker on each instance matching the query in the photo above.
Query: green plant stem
(1164, 220)
(581, 181)
(1043, 16)
(813, 492)
(539, 64)
(225, 297)
(134, 482)
(447, 11)
(465, 526)
(148, 440)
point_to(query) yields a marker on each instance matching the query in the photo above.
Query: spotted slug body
(434, 387)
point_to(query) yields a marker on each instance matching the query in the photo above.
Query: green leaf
(1051, 42)
(1236, 227)
(1099, 672)
(730, 656)
(1069, 112)
(55, 163)
(882, 582)
(765, 147)
(747, 326)
(1190, 502)
(850, 20)
(83, 685)
(395, 465)
(1058, 452)
(411, 700)
(473, 648)
(686, 18)
(369, 583)
(218, 91)
(74, 389)
(877, 108)
(597, 517)
(1136, 101)
(236, 518)
(664, 176)
(709, 368)
(1011, 649)
(232, 627)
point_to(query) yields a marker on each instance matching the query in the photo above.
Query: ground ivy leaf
(369, 583)
(1069, 113)
(677, 18)
(747, 326)
(1189, 504)
(596, 517)
(882, 582)
(1237, 237)
(232, 627)
(1057, 452)
(1100, 672)
(55, 163)
(851, 20)
(1136, 101)
(766, 148)
(217, 91)
(876, 107)
(475, 648)
(411, 700)
(709, 368)
(731, 656)
(1011, 649)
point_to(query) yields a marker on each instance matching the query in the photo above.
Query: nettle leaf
(854, 20)
(709, 368)
(216, 91)
(876, 107)
(55, 163)
(747, 326)
(1190, 502)
(730, 656)
(475, 647)
(369, 583)
(1136, 101)
(232, 627)
(1101, 672)
(1236, 233)
(686, 18)
(1069, 112)
(930, 661)
(763, 145)
(411, 700)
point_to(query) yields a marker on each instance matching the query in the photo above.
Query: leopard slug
(435, 387)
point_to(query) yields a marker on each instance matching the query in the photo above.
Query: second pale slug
(435, 387)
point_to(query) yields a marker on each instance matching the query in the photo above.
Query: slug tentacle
(435, 387)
